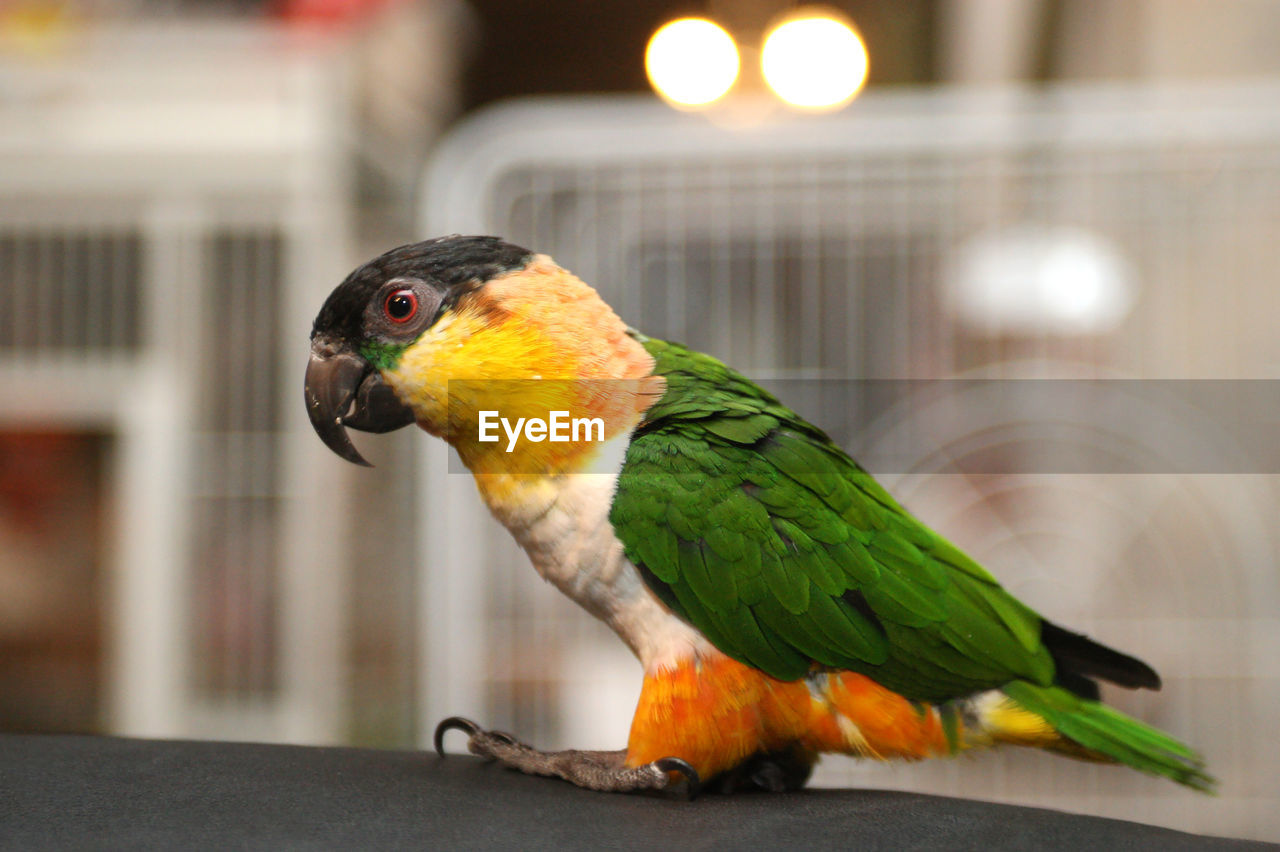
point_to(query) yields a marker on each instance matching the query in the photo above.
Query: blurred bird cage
(175, 202)
(900, 240)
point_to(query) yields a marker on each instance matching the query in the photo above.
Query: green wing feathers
(751, 524)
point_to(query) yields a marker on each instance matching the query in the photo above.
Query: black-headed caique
(781, 602)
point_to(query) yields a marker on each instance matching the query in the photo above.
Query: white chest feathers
(563, 524)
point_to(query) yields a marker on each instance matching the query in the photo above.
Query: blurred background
(1022, 189)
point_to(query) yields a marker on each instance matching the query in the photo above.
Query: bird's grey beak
(343, 389)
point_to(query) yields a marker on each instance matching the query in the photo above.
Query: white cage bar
(166, 238)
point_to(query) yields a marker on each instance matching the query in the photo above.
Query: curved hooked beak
(343, 389)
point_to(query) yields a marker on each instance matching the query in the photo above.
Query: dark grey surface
(64, 792)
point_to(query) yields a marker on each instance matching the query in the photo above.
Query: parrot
(781, 603)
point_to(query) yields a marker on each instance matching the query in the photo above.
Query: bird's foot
(773, 772)
(595, 770)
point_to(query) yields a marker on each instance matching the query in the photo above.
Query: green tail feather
(1107, 731)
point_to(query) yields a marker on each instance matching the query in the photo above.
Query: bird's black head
(374, 314)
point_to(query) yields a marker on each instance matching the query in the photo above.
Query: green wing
(754, 527)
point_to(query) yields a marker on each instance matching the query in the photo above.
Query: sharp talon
(454, 723)
(675, 764)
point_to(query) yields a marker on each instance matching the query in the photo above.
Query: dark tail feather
(1079, 684)
(1078, 658)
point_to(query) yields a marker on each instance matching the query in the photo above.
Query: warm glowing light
(815, 62)
(1029, 279)
(691, 62)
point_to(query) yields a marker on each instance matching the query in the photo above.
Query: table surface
(76, 792)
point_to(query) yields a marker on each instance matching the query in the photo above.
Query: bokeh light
(1032, 279)
(691, 62)
(814, 61)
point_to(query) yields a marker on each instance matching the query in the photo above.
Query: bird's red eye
(401, 306)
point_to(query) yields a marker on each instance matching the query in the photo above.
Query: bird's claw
(459, 723)
(454, 723)
(675, 764)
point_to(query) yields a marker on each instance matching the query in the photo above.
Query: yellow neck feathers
(528, 374)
